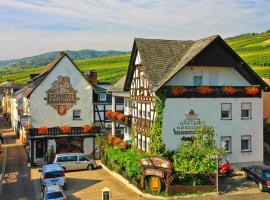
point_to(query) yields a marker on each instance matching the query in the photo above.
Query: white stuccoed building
(60, 96)
(204, 81)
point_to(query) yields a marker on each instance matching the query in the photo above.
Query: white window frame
(76, 117)
(102, 97)
(230, 116)
(250, 110)
(246, 137)
(224, 139)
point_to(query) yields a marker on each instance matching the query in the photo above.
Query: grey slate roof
(162, 59)
(118, 86)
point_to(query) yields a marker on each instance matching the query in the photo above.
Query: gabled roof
(44, 74)
(162, 59)
(118, 86)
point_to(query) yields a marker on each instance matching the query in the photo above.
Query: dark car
(259, 174)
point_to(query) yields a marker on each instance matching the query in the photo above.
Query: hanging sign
(61, 96)
(189, 125)
(24, 120)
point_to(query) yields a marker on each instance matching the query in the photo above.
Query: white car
(52, 174)
(53, 192)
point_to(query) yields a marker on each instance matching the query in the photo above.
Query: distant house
(202, 81)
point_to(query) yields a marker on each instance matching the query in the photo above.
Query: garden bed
(187, 189)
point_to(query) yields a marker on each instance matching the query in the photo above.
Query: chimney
(91, 77)
(61, 53)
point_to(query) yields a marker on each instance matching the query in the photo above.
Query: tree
(52, 155)
(193, 156)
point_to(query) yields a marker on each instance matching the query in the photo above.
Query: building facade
(59, 106)
(203, 81)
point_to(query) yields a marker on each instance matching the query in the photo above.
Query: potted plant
(113, 115)
(253, 90)
(65, 129)
(204, 90)
(27, 127)
(108, 114)
(87, 129)
(42, 130)
(177, 91)
(121, 117)
(229, 90)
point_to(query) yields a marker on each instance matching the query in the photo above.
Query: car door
(72, 162)
(251, 172)
(83, 162)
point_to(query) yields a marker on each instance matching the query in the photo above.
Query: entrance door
(40, 151)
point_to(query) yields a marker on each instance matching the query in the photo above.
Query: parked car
(74, 161)
(53, 192)
(0, 147)
(52, 174)
(259, 174)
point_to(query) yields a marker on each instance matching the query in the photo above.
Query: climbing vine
(156, 146)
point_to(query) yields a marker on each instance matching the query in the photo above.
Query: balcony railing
(56, 131)
(213, 91)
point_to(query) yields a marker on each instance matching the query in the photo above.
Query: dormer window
(102, 97)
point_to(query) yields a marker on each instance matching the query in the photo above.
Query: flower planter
(251, 90)
(42, 130)
(87, 129)
(177, 91)
(204, 90)
(229, 90)
(65, 129)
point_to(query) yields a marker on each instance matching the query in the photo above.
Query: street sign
(106, 193)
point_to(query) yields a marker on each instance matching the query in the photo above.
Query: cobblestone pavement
(87, 185)
(16, 181)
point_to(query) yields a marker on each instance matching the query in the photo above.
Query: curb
(145, 195)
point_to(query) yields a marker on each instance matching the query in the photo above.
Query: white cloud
(112, 24)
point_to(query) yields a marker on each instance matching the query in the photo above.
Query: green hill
(108, 68)
(254, 48)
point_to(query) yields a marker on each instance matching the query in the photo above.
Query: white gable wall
(226, 76)
(45, 115)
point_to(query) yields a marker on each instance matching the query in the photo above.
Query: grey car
(74, 161)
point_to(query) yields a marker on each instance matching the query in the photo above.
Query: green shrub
(131, 163)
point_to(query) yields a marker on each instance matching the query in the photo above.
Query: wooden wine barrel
(155, 184)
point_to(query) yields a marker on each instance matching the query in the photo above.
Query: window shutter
(246, 106)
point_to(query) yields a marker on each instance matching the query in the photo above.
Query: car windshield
(53, 195)
(267, 174)
(54, 174)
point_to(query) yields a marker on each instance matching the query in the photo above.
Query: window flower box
(229, 90)
(177, 91)
(113, 115)
(108, 114)
(120, 117)
(87, 129)
(252, 90)
(42, 130)
(204, 90)
(65, 129)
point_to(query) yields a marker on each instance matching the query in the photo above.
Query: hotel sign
(61, 96)
(189, 125)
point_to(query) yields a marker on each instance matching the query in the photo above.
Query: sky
(32, 27)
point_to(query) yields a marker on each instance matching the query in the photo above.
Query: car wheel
(90, 167)
(261, 187)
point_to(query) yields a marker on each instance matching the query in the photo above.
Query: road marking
(3, 168)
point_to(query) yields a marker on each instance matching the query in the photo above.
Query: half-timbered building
(203, 81)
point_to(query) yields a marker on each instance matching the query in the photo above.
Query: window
(147, 143)
(246, 143)
(143, 142)
(246, 110)
(102, 97)
(197, 80)
(76, 114)
(139, 141)
(226, 111)
(83, 158)
(226, 143)
(148, 114)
